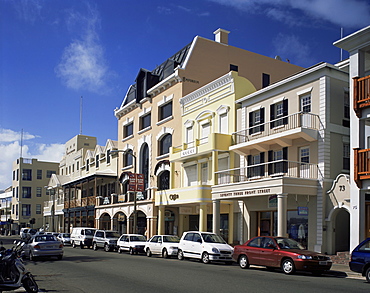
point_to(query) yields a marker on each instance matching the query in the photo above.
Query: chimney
(222, 36)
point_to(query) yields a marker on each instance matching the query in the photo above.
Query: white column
(282, 214)
(203, 217)
(216, 216)
(161, 220)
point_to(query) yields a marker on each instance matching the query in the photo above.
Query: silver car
(43, 246)
(65, 238)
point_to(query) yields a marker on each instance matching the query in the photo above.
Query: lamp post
(131, 154)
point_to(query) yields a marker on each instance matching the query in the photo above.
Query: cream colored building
(292, 140)
(86, 184)
(149, 119)
(30, 177)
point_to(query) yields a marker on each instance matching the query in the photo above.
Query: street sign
(136, 182)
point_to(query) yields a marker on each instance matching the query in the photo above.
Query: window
(204, 173)
(97, 161)
(224, 126)
(306, 103)
(191, 175)
(256, 121)
(257, 167)
(189, 135)
(145, 121)
(27, 174)
(49, 173)
(205, 131)
(78, 165)
(304, 158)
(87, 165)
(165, 111)
(26, 192)
(38, 208)
(346, 105)
(279, 113)
(234, 67)
(26, 210)
(128, 130)
(128, 158)
(39, 174)
(108, 156)
(265, 80)
(164, 180)
(346, 156)
(279, 161)
(38, 191)
(164, 144)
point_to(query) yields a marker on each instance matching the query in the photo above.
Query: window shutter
(285, 158)
(285, 111)
(272, 116)
(249, 162)
(270, 156)
(262, 167)
(262, 114)
(251, 130)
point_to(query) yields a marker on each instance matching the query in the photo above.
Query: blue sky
(52, 52)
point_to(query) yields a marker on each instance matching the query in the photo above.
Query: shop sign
(272, 201)
(261, 191)
(106, 200)
(136, 182)
(185, 211)
(302, 211)
(188, 152)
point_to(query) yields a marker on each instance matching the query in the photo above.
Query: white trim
(278, 100)
(305, 91)
(254, 109)
(165, 100)
(145, 111)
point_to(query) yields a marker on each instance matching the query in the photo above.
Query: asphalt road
(85, 270)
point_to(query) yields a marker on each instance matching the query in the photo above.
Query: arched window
(164, 144)
(164, 180)
(144, 167)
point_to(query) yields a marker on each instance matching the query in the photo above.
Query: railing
(293, 121)
(273, 169)
(81, 202)
(361, 94)
(362, 165)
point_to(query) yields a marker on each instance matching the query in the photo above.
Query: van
(23, 232)
(82, 236)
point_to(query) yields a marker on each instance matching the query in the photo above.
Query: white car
(205, 246)
(133, 243)
(165, 245)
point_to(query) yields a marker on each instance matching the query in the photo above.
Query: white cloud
(346, 13)
(29, 10)
(10, 150)
(83, 65)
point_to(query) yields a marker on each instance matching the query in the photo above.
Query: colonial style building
(150, 122)
(291, 142)
(30, 177)
(358, 66)
(87, 181)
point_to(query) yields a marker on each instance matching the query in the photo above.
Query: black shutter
(270, 156)
(285, 158)
(251, 129)
(249, 161)
(262, 161)
(285, 111)
(272, 115)
(262, 115)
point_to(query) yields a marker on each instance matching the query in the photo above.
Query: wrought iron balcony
(361, 94)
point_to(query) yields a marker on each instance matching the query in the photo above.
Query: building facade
(358, 66)
(149, 119)
(5, 210)
(30, 177)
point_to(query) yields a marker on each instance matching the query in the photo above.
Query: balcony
(48, 206)
(214, 141)
(267, 170)
(361, 94)
(362, 165)
(80, 202)
(279, 131)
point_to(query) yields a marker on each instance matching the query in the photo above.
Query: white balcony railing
(273, 169)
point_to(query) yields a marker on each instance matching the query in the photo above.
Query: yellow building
(150, 118)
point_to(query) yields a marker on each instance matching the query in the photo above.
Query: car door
(196, 246)
(186, 244)
(158, 245)
(153, 244)
(253, 251)
(268, 255)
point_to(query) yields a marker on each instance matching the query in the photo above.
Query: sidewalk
(343, 271)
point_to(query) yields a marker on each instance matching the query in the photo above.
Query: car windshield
(89, 232)
(112, 234)
(67, 235)
(213, 238)
(287, 243)
(137, 238)
(44, 238)
(173, 239)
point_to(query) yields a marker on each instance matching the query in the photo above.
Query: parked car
(43, 245)
(360, 259)
(105, 239)
(280, 252)
(65, 238)
(23, 232)
(133, 243)
(205, 246)
(165, 245)
(82, 236)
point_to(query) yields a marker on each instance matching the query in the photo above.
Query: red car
(280, 252)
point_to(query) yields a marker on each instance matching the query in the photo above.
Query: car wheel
(95, 246)
(288, 266)
(73, 244)
(367, 274)
(148, 252)
(132, 251)
(119, 250)
(180, 255)
(60, 257)
(243, 262)
(205, 258)
(106, 247)
(81, 245)
(165, 253)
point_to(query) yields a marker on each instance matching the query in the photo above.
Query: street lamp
(125, 152)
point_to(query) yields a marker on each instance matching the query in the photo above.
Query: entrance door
(304, 158)
(264, 228)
